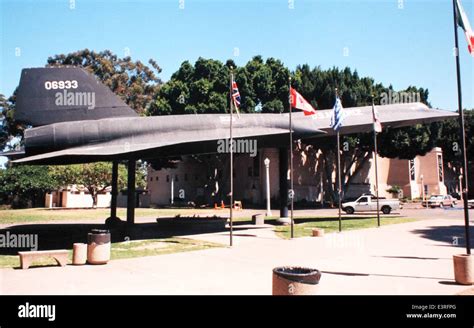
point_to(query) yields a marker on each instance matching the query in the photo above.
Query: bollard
(318, 232)
(79, 254)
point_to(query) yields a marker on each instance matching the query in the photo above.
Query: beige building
(78, 197)
(75, 197)
(192, 179)
(423, 175)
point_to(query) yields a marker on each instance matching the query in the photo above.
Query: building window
(167, 178)
(440, 168)
(411, 164)
(151, 178)
(176, 178)
(157, 178)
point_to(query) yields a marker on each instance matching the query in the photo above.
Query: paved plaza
(409, 258)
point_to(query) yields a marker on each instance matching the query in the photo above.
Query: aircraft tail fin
(61, 94)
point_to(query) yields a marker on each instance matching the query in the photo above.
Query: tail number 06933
(54, 85)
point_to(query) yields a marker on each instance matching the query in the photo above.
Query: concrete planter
(79, 254)
(258, 219)
(317, 232)
(295, 281)
(464, 269)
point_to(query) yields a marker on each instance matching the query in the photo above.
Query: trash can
(98, 246)
(295, 281)
(79, 253)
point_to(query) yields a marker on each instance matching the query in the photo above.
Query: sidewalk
(411, 258)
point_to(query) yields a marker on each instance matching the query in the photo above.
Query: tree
(135, 82)
(10, 131)
(204, 87)
(4, 107)
(25, 185)
(449, 141)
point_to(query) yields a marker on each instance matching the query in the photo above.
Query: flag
(377, 124)
(297, 101)
(235, 95)
(338, 115)
(463, 22)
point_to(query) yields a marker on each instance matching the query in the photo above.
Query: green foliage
(4, 107)
(135, 82)
(450, 140)
(408, 142)
(394, 190)
(204, 87)
(25, 184)
(10, 131)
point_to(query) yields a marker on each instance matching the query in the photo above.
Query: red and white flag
(464, 23)
(297, 101)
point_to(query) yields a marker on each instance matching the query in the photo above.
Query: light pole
(460, 187)
(422, 190)
(267, 178)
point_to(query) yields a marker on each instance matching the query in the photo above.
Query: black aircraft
(74, 118)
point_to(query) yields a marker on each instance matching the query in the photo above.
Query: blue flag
(338, 116)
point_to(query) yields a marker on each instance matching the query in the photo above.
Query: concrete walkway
(410, 258)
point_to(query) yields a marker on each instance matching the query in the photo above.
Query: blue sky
(402, 46)
(398, 42)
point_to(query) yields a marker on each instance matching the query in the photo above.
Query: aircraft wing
(360, 119)
(165, 144)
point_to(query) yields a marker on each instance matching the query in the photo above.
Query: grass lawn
(41, 214)
(129, 249)
(303, 226)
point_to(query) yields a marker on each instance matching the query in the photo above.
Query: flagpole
(339, 175)
(462, 134)
(339, 180)
(231, 161)
(291, 161)
(376, 167)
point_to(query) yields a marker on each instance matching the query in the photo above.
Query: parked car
(366, 203)
(440, 201)
(470, 203)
